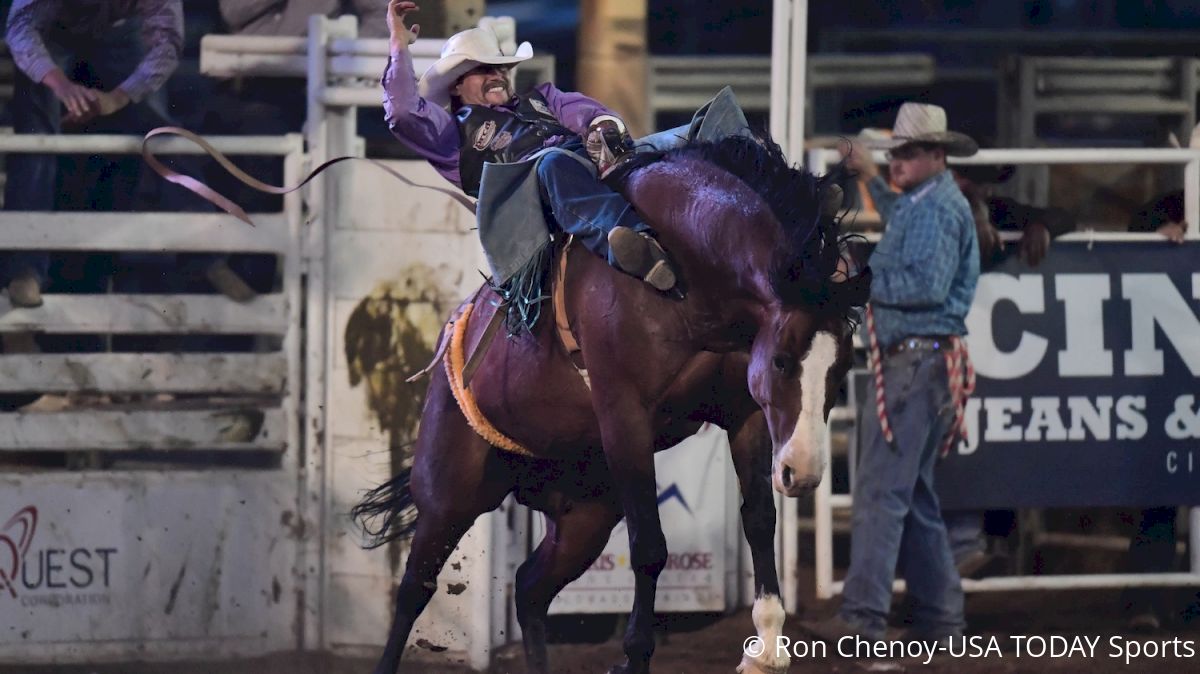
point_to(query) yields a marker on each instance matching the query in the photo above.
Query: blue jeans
(582, 205)
(896, 514)
(102, 61)
(965, 530)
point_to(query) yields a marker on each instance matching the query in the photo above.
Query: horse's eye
(784, 364)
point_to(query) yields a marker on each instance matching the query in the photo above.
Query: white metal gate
(159, 513)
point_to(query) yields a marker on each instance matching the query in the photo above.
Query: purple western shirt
(162, 33)
(432, 132)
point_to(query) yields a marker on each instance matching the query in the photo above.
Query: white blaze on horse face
(768, 617)
(803, 452)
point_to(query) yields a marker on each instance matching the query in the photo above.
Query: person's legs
(883, 494)
(930, 572)
(109, 59)
(929, 569)
(31, 186)
(31, 183)
(249, 106)
(133, 186)
(965, 531)
(601, 219)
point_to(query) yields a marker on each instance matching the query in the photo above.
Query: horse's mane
(804, 268)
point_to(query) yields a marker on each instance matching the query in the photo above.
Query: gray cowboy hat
(923, 123)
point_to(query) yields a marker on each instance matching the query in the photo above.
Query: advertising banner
(693, 481)
(173, 565)
(1088, 381)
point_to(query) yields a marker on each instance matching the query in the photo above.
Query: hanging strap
(562, 322)
(961, 372)
(877, 371)
(221, 201)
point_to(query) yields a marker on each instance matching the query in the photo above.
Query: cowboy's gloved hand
(401, 34)
(595, 140)
(606, 142)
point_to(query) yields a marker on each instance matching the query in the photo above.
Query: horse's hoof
(751, 666)
(625, 668)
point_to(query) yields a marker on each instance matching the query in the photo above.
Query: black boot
(640, 255)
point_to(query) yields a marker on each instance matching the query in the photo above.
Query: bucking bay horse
(759, 346)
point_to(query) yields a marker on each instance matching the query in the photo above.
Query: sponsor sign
(1088, 381)
(145, 563)
(693, 480)
(43, 572)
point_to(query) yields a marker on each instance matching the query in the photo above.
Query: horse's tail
(387, 512)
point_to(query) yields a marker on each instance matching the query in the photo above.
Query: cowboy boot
(638, 254)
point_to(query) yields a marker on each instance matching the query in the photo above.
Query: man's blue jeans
(581, 204)
(896, 514)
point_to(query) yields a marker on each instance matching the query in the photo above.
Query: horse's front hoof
(752, 666)
(626, 668)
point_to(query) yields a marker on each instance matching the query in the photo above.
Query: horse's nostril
(786, 477)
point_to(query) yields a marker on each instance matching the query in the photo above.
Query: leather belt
(919, 343)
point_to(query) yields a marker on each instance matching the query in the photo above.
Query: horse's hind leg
(432, 543)
(575, 536)
(456, 476)
(750, 446)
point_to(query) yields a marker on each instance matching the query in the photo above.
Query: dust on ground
(708, 644)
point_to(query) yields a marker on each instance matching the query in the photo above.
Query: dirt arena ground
(712, 645)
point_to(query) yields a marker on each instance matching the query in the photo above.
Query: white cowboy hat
(923, 123)
(492, 43)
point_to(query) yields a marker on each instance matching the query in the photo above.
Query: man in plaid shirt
(925, 269)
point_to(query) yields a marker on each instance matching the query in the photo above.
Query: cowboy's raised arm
(572, 109)
(883, 196)
(423, 127)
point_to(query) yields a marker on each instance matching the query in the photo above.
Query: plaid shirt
(927, 263)
(29, 22)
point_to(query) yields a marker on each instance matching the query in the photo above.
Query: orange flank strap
(455, 362)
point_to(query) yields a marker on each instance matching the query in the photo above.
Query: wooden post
(443, 19)
(612, 58)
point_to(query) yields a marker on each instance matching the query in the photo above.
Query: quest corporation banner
(1088, 381)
